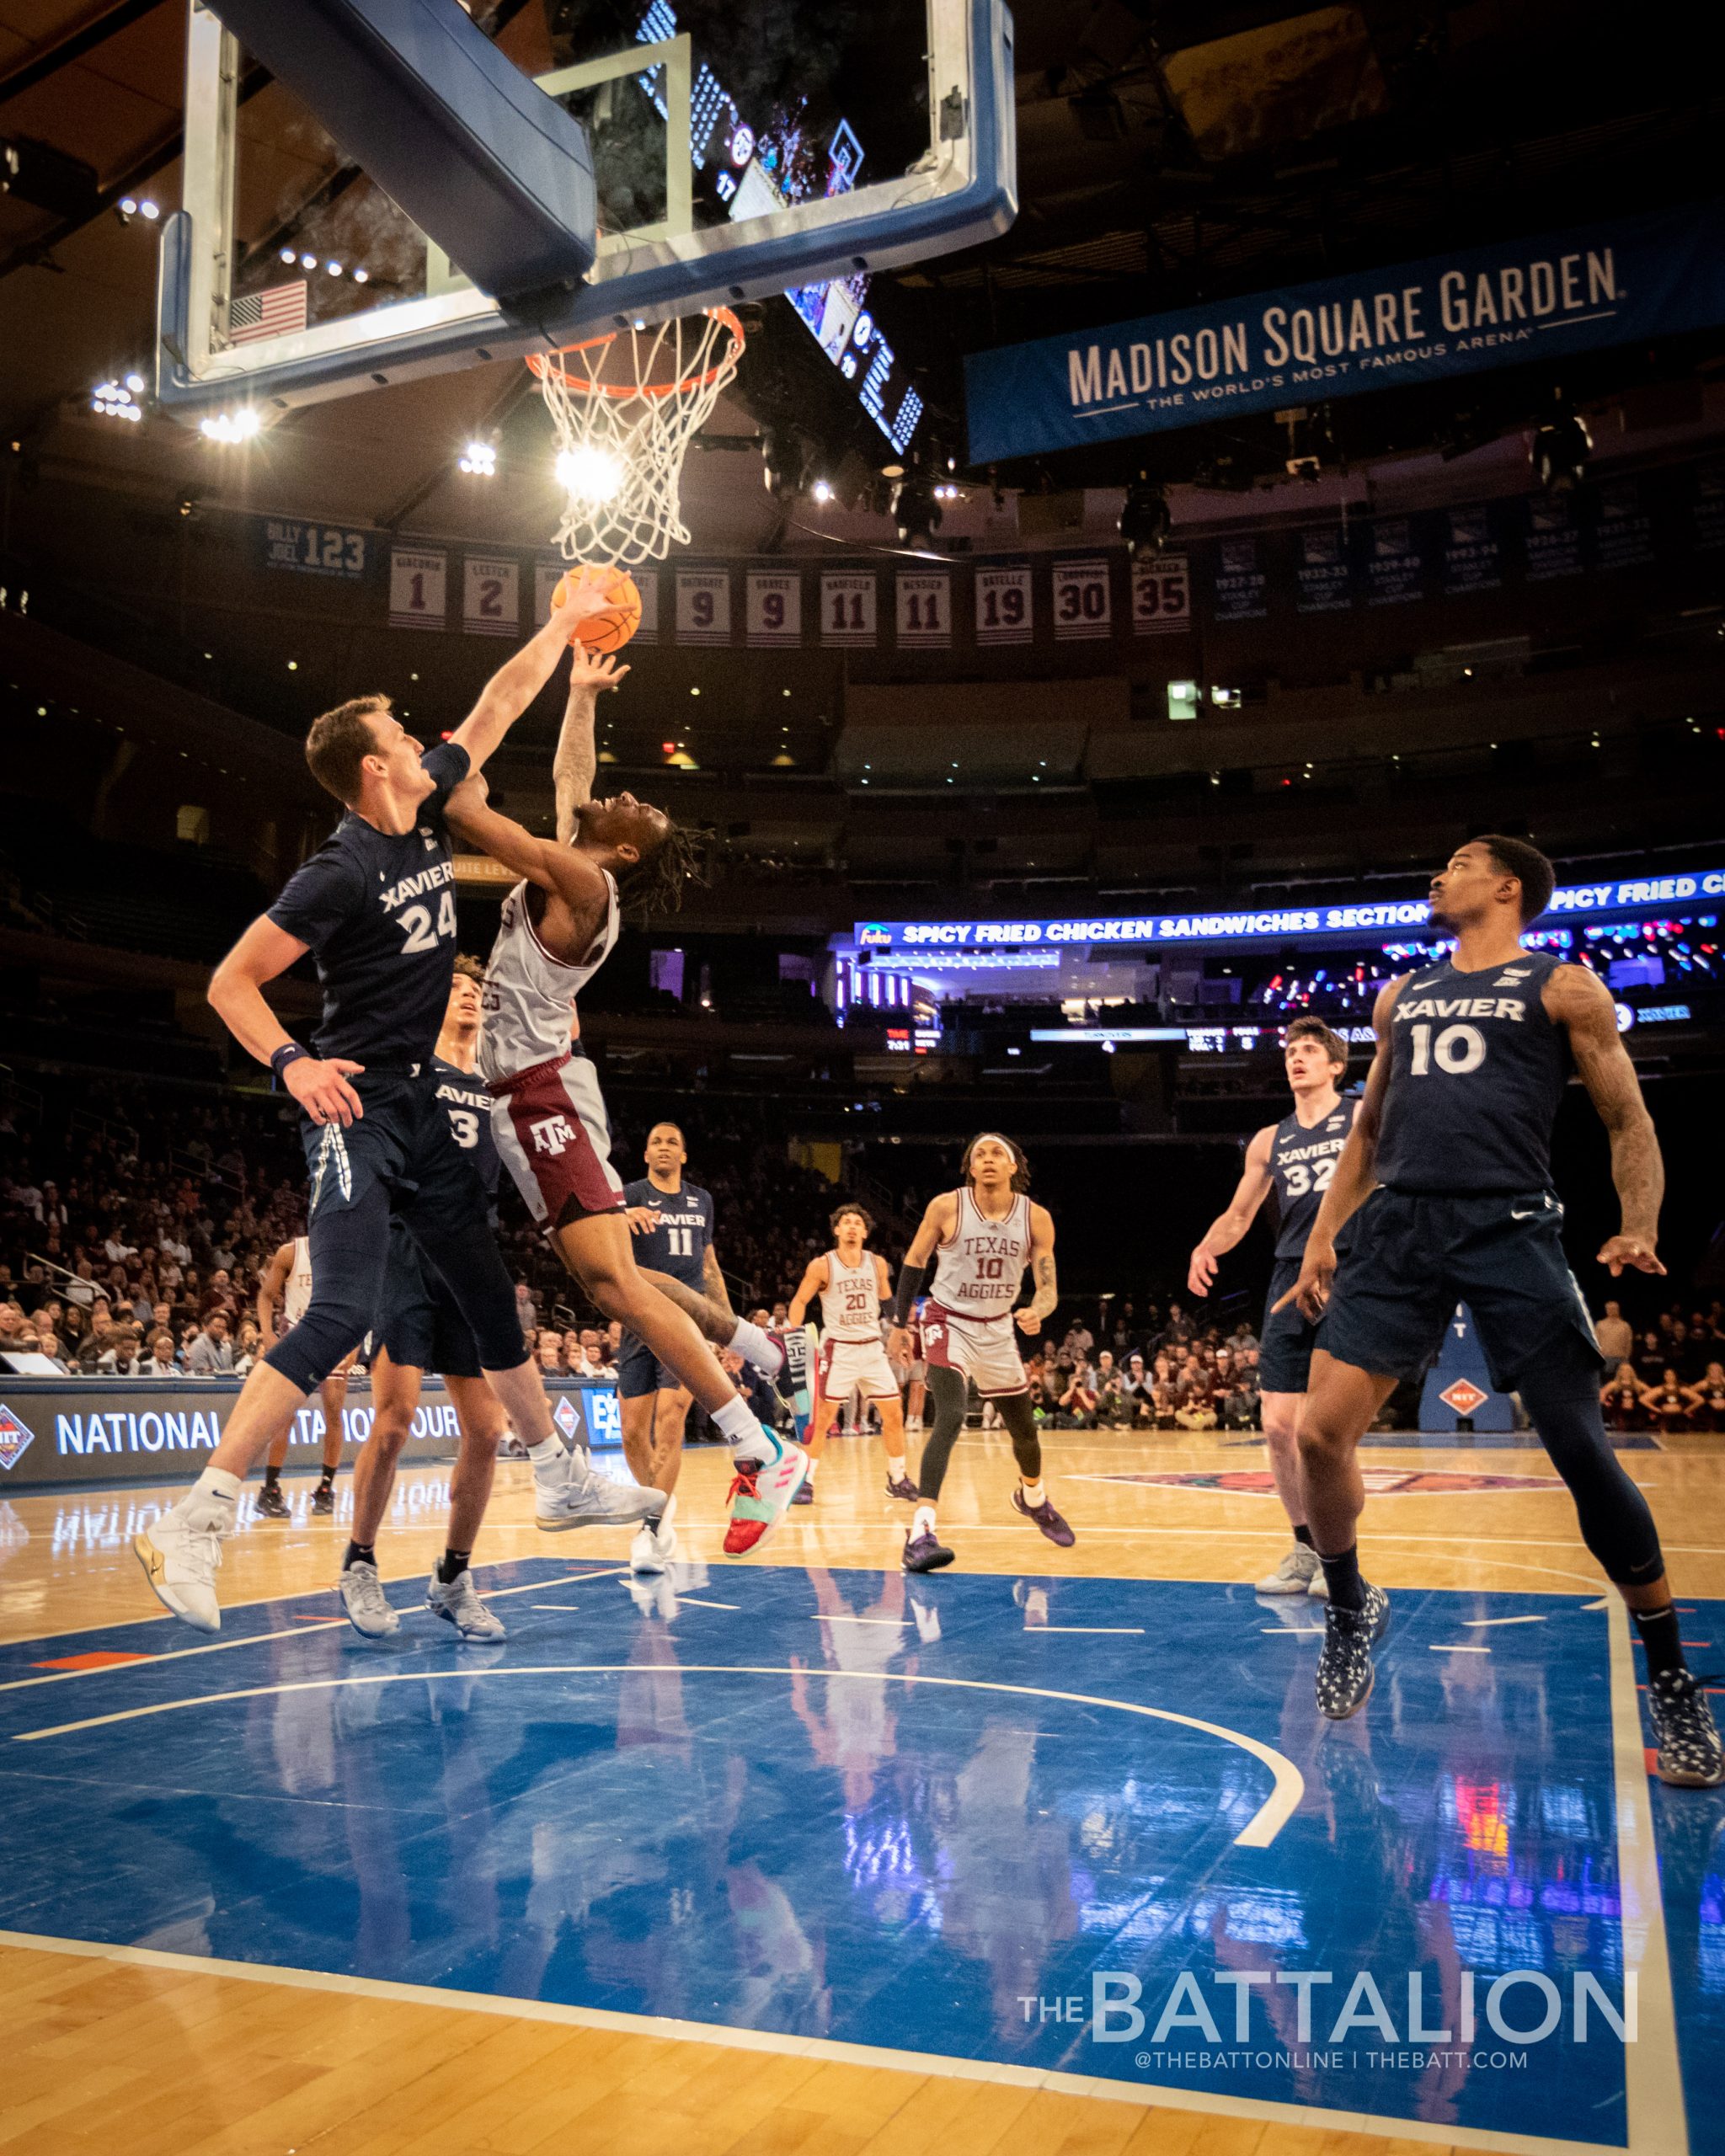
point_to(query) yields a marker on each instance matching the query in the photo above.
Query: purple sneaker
(901, 1485)
(923, 1554)
(805, 1492)
(1046, 1519)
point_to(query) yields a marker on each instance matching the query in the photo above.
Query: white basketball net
(624, 409)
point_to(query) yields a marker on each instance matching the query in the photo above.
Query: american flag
(275, 311)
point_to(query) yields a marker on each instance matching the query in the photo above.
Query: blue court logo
(14, 1438)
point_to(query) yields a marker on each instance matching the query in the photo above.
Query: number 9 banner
(775, 607)
(703, 606)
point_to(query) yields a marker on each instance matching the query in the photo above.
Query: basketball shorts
(845, 1365)
(639, 1371)
(984, 1349)
(552, 1131)
(1412, 1259)
(1286, 1338)
(418, 1321)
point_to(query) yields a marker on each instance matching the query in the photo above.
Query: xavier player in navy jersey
(1447, 1179)
(1295, 1158)
(420, 1327)
(376, 906)
(672, 1222)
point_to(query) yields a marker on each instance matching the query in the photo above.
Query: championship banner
(419, 580)
(1473, 560)
(1161, 596)
(1623, 534)
(1083, 606)
(490, 600)
(774, 604)
(1004, 612)
(1241, 592)
(1395, 567)
(1621, 280)
(1325, 576)
(703, 606)
(1553, 538)
(848, 607)
(925, 610)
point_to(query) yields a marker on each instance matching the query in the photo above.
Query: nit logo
(1465, 1396)
(873, 937)
(566, 1419)
(14, 1438)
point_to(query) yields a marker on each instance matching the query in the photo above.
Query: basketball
(611, 629)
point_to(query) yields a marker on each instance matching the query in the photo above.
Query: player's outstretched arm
(577, 757)
(519, 679)
(810, 1285)
(1355, 1176)
(560, 868)
(236, 995)
(1042, 1303)
(1580, 1002)
(1228, 1227)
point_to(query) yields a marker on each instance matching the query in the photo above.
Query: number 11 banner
(925, 614)
(775, 603)
(847, 600)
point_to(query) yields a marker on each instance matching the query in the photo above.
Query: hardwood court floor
(163, 2049)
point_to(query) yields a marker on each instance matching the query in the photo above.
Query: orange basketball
(609, 629)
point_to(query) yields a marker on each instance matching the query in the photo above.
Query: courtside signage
(1529, 300)
(1270, 925)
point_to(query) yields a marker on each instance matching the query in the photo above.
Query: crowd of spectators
(1157, 1370)
(1670, 1377)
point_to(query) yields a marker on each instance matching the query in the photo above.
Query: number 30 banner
(1082, 605)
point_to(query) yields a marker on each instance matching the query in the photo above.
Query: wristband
(912, 1278)
(289, 1052)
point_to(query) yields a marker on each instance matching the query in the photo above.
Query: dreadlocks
(654, 886)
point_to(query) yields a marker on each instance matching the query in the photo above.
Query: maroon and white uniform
(547, 1115)
(967, 1321)
(850, 1350)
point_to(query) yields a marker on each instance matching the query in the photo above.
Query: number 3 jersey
(377, 910)
(1302, 1162)
(1477, 1071)
(467, 1101)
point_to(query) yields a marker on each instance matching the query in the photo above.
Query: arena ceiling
(1168, 152)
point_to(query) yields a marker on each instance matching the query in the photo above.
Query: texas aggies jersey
(1302, 1162)
(850, 1302)
(296, 1297)
(528, 993)
(983, 1261)
(1477, 1071)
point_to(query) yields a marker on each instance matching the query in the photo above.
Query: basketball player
(1448, 1171)
(1295, 1157)
(420, 1327)
(986, 1233)
(671, 1221)
(852, 1282)
(283, 1295)
(376, 906)
(559, 924)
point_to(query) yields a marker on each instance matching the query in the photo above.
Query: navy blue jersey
(1477, 1070)
(1302, 1161)
(467, 1099)
(379, 912)
(680, 1243)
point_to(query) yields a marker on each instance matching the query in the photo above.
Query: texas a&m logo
(552, 1133)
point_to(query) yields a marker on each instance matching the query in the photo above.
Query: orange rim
(544, 363)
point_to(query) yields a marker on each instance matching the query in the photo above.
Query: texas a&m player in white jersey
(286, 1287)
(559, 924)
(851, 1284)
(985, 1234)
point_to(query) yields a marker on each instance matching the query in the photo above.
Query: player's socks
(813, 1465)
(921, 1522)
(1303, 1534)
(1659, 1631)
(742, 1429)
(272, 1475)
(550, 1459)
(1033, 1494)
(751, 1342)
(211, 1500)
(896, 1469)
(451, 1565)
(359, 1553)
(1342, 1576)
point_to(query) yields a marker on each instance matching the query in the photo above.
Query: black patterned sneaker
(1691, 1754)
(1045, 1517)
(923, 1553)
(1344, 1670)
(901, 1485)
(271, 1503)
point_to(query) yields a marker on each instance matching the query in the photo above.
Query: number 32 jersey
(1302, 1163)
(1477, 1070)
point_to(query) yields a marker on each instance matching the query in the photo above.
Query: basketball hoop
(624, 407)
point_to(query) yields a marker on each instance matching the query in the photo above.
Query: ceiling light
(821, 492)
(1559, 452)
(308, 261)
(148, 211)
(289, 255)
(333, 268)
(230, 427)
(479, 459)
(362, 276)
(129, 206)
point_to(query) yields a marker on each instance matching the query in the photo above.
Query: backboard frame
(963, 190)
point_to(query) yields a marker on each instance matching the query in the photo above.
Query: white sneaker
(459, 1603)
(1319, 1590)
(361, 1593)
(180, 1561)
(1293, 1575)
(588, 1500)
(655, 1543)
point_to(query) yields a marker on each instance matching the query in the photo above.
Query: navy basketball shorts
(418, 1323)
(1285, 1338)
(639, 1371)
(1412, 1259)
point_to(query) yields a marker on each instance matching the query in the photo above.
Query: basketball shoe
(1344, 1668)
(271, 1503)
(457, 1602)
(582, 1498)
(1691, 1754)
(761, 1492)
(362, 1598)
(655, 1542)
(1293, 1575)
(181, 1555)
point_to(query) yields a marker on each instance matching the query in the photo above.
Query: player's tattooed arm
(1043, 1276)
(577, 756)
(1228, 1227)
(1580, 1002)
(810, 1285)
(712, 1279)
(1355, 1177)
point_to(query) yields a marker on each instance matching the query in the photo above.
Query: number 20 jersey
(1477, 1071)
(1302, 1163)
